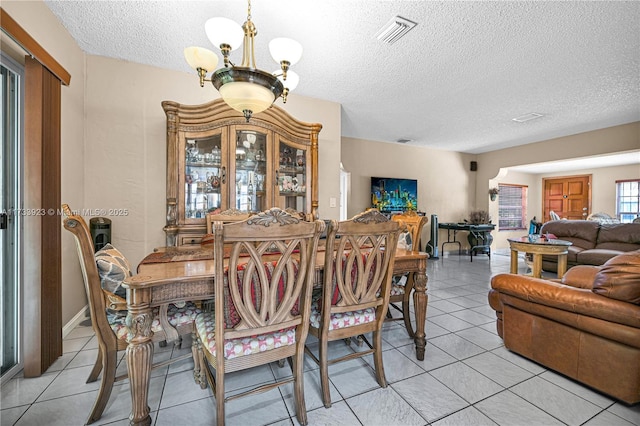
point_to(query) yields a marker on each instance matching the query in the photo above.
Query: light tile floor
(466, 378)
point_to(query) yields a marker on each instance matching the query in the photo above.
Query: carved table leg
(139, 354)
(420, 306)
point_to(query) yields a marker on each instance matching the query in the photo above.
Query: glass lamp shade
(247, 88)
(198, 57)
(224, 31)
(242, 96)
(285, 49)
(292, 79)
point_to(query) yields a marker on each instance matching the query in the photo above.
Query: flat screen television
(393, 195)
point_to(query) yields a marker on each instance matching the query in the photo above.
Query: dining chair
(402, 285)
(108, 314)
(358, 268)
(266, 279)
(226, 216)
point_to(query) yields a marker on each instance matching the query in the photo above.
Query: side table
(537, 249)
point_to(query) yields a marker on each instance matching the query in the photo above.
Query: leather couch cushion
(619, 278)
(596, 256)
(623, 237)
(582, 233)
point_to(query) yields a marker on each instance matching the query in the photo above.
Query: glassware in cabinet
(204, 174)
(250, 170)
(210, 168)
(292, 176)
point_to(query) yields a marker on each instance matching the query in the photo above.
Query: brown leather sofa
(585, 326)
(593, 243)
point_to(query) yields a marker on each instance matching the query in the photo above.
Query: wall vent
(395, 29)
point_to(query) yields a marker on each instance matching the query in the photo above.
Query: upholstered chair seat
(177, 317)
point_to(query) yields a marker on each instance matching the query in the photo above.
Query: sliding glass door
(10, 214)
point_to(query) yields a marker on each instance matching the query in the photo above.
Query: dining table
(180, 274)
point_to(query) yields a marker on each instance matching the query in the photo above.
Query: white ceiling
(454, 82)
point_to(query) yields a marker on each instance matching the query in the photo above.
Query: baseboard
(77, 319)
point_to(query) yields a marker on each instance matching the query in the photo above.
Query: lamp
(245, 88)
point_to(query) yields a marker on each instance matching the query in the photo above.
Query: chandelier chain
(249, 10)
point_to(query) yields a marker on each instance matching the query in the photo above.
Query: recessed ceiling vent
(527, 117)
(402, 140)
(395, 29)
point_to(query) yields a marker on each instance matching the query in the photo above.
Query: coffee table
(537, 249)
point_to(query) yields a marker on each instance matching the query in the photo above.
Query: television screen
(392, 195)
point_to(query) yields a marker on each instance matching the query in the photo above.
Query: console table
(479, 232)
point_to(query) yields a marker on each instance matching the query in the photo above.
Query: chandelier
(245, 88)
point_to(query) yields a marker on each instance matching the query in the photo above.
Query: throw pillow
(619, 278)
(404, 241)
(113, 268)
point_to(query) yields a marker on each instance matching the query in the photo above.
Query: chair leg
(97, 368)
(219, 395)
(377, 358)
(324, 373)
(106, 385)
(198, 362)
(298, 386)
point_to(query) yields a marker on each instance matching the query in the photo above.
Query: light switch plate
(332, 201)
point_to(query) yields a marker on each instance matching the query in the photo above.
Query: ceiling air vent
(403, 140)
(527, 117)
(395, 29)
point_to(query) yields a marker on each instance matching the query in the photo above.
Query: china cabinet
(216, 161)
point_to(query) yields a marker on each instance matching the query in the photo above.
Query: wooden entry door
(569, 197)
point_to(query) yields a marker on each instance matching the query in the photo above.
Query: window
(512, 207)
(627, 200)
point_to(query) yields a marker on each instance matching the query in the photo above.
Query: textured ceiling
(454, 82)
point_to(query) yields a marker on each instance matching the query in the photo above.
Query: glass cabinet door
(250, 170)
(292, 176)
(204, 176)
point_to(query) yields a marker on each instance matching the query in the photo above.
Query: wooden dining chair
(358, 267)
(266, 280)
(402, 285)
(226, 216)
(108, 313)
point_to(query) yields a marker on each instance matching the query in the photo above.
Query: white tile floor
(466, 378)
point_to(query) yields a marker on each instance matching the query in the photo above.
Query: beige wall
(603, 191)
(446, 187)
(36, 18)
(598, 142)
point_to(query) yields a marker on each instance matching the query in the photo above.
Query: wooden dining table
(176, 274)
